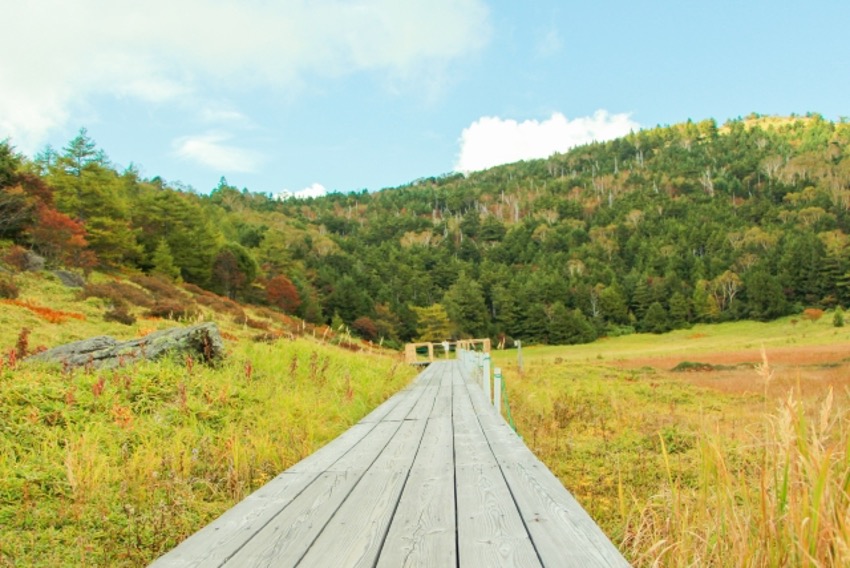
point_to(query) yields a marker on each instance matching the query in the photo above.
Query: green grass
(115, 467)
(702, 338)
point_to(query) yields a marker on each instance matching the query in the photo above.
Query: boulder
(33, 262)
(70, 279)
(203, 341)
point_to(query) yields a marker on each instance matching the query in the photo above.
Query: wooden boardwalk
(433, 477)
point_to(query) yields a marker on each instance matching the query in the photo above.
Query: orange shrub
(49, 314)
(812, 314)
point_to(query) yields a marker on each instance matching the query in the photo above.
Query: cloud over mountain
(490, 140)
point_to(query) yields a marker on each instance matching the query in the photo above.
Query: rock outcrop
(203, 341)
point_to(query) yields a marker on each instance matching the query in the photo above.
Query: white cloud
(64, 51)
(214, 113)
(490, 140)
(315, 190)
(211, 150)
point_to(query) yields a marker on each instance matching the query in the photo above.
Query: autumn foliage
(365, 328)
(812, 314)
(48, 314)
(60, 238)
(282, 293)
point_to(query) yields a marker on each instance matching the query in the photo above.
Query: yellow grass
(747, 464)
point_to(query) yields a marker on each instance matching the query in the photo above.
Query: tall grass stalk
(118, 474)
(780, 499)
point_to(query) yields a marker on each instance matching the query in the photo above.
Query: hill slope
(115, 467)
(660, 229)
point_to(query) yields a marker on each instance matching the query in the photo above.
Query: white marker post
(497, 389)
(485, 375)
(519, 355)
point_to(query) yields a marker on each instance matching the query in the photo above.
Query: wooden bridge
(433, 477)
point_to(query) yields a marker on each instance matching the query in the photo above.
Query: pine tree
(464, 303)
(535, 327)
(680, 310)
(163, 261)
(642, 297)
(765, 299)
(655, 320)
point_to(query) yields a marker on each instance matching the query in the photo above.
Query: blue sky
(343, 95)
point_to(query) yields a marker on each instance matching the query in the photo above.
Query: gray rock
(33, 262)
(203, 340)
(70, 279)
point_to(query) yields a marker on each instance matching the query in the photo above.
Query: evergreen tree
(347, 299)
(163, 261)
(642, 297)
(613, 305)
(234, 269)
(560, 331)
(765, 299)
(464, 303)
(568, 327)
(655, 320)
(535, 327)
(680, 310)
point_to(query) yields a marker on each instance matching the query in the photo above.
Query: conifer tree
(163, 261)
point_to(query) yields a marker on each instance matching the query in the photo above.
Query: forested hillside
(663, 228)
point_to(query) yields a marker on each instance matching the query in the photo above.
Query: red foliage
(97, 388)
(22, 346)
(812, 314)
(8, 288)
(282, 293)
(36, 187)
(60, 238)
(365, 328)
(51, 315)
(16, 257)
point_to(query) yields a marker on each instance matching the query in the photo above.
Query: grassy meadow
(721, 445)
(715, 446)
(114, 467)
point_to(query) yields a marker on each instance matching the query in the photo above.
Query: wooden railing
(411, 356)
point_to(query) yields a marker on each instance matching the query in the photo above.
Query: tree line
(658, 230)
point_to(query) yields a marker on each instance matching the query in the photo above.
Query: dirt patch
(812, 369)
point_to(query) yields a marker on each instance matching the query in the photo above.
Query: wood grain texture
(355, 534)
(287, 537)
(218, 541)
(423, 528)
(490, 529)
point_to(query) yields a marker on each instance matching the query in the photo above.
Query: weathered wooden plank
(443, 404)
(215, 543)
(423, 528)
(285, 538)
(355, 534)
(422, 408)
(490, 529)
(325, 456)
(388, 405)
(408, 399)
(385, 407)
(561, 530)
(433, 477)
